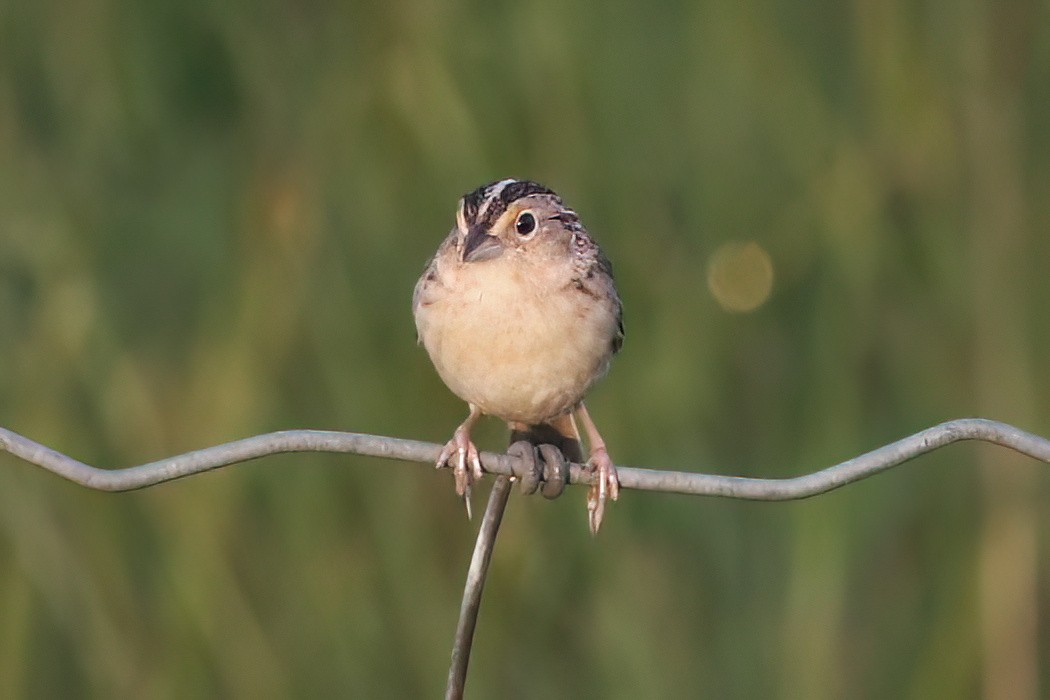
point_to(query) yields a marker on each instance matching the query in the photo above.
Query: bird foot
(605, 485)
(462, 456)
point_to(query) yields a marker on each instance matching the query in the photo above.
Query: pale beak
(480, 246)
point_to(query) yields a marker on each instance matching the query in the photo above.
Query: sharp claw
(446, 453)
(606, 485)
(462, 457)
(460, 471)
(595, 511)
(468, 454)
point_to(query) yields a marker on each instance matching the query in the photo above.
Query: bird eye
(525, 224)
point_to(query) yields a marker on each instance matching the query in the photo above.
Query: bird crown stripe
(489, 194)
(488, 203)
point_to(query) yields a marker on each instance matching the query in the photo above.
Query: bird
(520, 315)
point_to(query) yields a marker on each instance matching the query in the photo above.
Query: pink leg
(461, 454)
(605, 484)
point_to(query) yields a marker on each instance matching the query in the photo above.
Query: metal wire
(506, 465)
(694, 483)
(476, 575)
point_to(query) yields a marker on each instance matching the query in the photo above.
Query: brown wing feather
(594, 274)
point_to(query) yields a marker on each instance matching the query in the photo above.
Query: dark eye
(525, 224)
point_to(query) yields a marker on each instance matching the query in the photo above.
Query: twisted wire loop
(543, 468)
(525, 466)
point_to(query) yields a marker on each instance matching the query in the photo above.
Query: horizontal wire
(693, 483)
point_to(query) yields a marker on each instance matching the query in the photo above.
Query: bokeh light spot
(740, 276)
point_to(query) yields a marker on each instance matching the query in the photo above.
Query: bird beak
(479, 245)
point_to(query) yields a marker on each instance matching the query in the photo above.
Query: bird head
(512, 215)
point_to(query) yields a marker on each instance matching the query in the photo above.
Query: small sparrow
(520, 316)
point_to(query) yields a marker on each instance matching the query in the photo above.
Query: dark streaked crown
(487, 203)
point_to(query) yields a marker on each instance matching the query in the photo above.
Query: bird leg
(605, 483)
(462, 456)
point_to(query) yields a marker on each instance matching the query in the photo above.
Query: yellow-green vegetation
(830, 224)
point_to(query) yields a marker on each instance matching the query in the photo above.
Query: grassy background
(211, 219)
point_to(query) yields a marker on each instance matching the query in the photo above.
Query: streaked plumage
(520, 316)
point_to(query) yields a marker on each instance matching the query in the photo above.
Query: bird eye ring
(525, 224)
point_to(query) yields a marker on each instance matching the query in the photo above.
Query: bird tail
(560, 432)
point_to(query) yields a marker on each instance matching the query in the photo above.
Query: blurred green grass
(211, 219)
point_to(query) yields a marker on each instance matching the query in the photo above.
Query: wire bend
(692, 483)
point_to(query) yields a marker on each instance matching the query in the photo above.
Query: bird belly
(516, 350)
